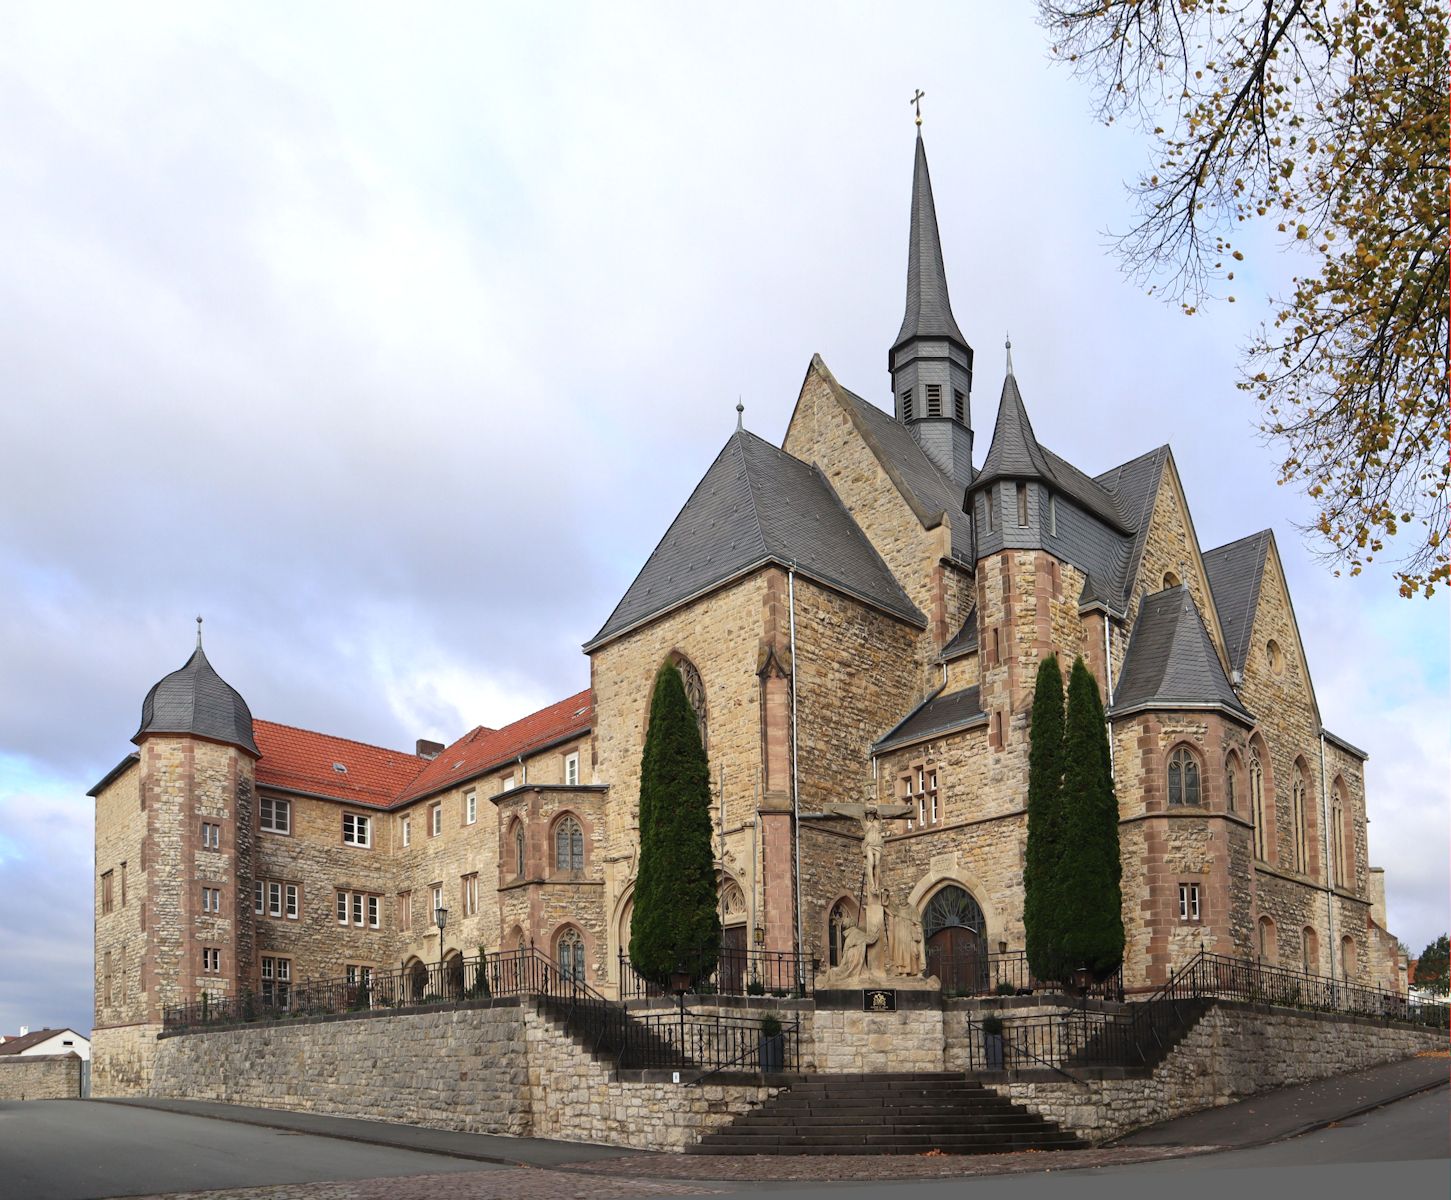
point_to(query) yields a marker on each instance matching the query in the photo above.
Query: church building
(858, 616)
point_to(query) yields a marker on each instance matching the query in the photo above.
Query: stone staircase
(886, 1114)
(1155, 1028)
(606, 1032)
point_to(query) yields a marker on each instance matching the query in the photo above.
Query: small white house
(47, 1041)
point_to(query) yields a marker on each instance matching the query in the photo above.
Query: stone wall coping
(409, 1010)
(985, 1004)
(1335, 1017)
(9, 1060)
(850, 999)
(747, 1004)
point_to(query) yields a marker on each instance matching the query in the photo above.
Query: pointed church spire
(1014, 452)
(1008, 346)
(929, 312)
(931, 362)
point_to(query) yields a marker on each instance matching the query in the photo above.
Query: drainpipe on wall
(795, 777)
(1331, 948)
(1108, 679)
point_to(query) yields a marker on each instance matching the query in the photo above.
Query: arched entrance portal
(956, 941)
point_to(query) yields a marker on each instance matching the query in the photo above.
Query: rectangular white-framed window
(358, 973)
(435, 820)
(470, 894)
(211, 900)
(357, 830)
(275, 814)
(276, 976)
(405, 910)
(508, 783)
(374, 907)
(211, 960)
(437, 900)
(294, 908)
(357, 908)
(471, 807)
(1188, 902)
(405, 825)
(571, 769)
(258, 903)
(342, 908)
(211, 836)
(274, 899)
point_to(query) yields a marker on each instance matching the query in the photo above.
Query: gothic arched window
(1337, 835)
(1231, 781)
(568, 845)
(1299, 820)
(694, 692)
(569, 953)
(518, 849)
(1267, 940)
(1257, 805)
(1183, 777)
(1309, 950)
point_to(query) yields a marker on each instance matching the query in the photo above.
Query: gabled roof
(964, 641)
(195, 700)
(18, 1045)
(1171, 661)
(299, 760)
(1134, 485)
(928, 492)
(929, 312)
(482, 750)
(1235, 571)
(939, 713)
(757, 505)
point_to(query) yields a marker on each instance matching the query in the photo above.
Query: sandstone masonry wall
(40, 1077)
(1236, 1051)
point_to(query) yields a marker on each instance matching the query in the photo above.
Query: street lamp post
(440, 918)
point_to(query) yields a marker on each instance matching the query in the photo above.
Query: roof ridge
(739, 443)
(337, 737)
(1262, 533)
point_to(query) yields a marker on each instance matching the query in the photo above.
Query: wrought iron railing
(737, 973)
(1138, 1036)
(1008, 973)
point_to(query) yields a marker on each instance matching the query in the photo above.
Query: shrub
(770, 1025)
(992, 1024)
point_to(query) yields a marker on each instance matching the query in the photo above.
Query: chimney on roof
(429, 750)
(24, 1029)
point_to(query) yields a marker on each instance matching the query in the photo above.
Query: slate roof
(194, 699)
(939, 713)
(1134, 485)
(482, 749)
(929, 313)
(964, 641)
(755, 505)
(300, 760)
(927, 489)
(1235, 571)
(1171, 660)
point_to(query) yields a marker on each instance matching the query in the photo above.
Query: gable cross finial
(1008, 346)
(198, 633)
(740, 415)
(917, 102)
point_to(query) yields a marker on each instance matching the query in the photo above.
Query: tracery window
(568, 845)
(519, 849)
(1302, 837)
(1337, 835)
(694, 692)
(1257, 805)
(1231, 781)
(1183, 777)
(569, 953)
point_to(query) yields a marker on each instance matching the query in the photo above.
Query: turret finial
(916, 101)
(1008, 346)
(740, 415)
(198, 633)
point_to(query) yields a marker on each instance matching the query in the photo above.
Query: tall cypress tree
(1042, 906)
(676, 926)
(1090, 867)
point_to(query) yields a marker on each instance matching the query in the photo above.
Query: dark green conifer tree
(676, 925)
(1042, 906)
(1090, 868)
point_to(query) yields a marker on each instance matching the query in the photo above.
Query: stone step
(887, 1144)
(784, 1116)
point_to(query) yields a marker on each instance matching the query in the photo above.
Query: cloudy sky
(391, 338)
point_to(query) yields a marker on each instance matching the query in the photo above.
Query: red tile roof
(303, 761)
(482, 750)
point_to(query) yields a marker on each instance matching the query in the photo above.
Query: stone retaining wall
(848, 1040)
(40, 1077)
(490, 1067)
(1235, 1051)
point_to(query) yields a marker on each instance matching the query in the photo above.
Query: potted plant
(755, 988)
(1005, 988)
(773, 1045)
(992, 1042)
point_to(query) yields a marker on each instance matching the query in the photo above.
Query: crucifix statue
(883, 946)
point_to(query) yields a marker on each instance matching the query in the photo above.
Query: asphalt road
(68, 1150)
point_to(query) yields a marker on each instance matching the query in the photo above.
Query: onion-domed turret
(196, 700)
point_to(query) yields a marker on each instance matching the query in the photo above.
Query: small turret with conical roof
(931, 362)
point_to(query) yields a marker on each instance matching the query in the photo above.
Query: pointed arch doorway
(956, 935)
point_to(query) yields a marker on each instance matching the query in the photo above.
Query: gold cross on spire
(917, 101)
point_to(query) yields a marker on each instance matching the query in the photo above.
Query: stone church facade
(858, 614)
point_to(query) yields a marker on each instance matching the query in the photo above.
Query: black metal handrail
(1008, 973)
(738, 972)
